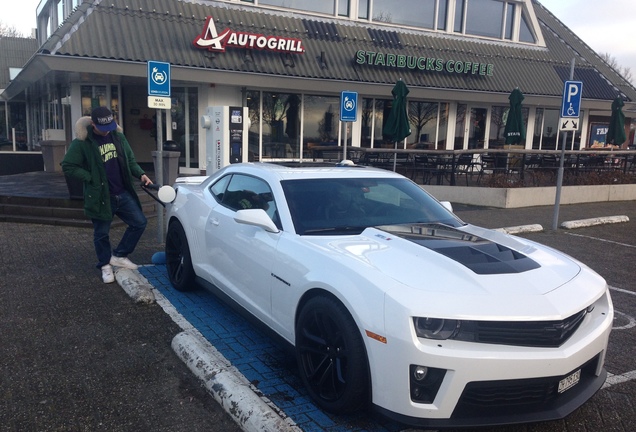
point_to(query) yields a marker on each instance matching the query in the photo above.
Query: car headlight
(436, 328)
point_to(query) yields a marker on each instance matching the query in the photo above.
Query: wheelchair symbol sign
(571, 104)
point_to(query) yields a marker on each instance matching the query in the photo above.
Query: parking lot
(80, 355)
(270, 368)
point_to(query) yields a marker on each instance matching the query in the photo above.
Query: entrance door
(476, 127)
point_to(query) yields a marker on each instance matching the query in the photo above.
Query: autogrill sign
(211, 40)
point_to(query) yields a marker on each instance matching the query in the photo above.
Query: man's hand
(145, 180)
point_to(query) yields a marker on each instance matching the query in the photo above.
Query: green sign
(432, 64)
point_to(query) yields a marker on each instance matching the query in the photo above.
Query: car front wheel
(178, 259)
(331, 356)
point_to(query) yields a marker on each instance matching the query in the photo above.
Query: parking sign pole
(557, 199)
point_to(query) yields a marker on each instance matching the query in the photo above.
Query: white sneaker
(107, 274)
(123, 262)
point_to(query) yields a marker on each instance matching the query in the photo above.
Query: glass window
(347, 206)
(246, 192)
(510, 20)
(525, 34)
(281, 124)
(484, 18)
(343, 8)
(321, 116)
(460, 122)
(546, 129)
(382, 110)
(253, 136)
(322, 6)
(423, 120)
(185, 118)
(442, 13)
(363, 9)
(366, 119)
(416, 13)
(460, 6)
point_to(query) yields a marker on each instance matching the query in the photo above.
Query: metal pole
(557, 199)
(159, 175)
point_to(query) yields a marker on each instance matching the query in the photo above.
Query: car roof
(310, 171)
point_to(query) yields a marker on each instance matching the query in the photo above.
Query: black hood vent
(478, 254)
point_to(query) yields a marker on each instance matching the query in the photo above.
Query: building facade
(289, 61)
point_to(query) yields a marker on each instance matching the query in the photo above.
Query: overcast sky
(606, 26)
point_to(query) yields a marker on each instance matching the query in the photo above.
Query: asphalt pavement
(80, 355)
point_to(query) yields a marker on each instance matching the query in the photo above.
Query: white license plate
(569, 381)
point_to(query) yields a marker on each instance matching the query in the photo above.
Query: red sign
(211, 40)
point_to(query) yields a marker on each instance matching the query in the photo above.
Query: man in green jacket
(100, 156)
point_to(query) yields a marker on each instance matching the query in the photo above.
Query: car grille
(544, 334)
(496, 398)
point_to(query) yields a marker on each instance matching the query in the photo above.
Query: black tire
(178, 259)
(331, 356)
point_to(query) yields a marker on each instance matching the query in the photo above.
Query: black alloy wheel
(331, 356)
(178, 259)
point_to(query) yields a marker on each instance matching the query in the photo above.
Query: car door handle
(214, 221)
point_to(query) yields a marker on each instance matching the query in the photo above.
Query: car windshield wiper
(338, 229)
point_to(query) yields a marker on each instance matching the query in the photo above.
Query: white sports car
(389, 299)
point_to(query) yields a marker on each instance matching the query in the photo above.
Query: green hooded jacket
(84, 162)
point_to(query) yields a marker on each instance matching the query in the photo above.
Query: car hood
(468, 260)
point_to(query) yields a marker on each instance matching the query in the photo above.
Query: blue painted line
(269, 367)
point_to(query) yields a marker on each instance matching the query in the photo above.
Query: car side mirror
(256, 217)
(447, 205)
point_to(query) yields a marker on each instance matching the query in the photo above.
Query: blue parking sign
(158, 78)
(571, 104)
(348, 106)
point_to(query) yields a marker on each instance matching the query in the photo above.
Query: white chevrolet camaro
(389, 299)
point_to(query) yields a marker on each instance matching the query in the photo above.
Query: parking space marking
(631, 321)
(618, 379)
(624, 291)
(603, 240)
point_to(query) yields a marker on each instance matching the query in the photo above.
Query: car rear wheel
(331, 356)
(178, 259)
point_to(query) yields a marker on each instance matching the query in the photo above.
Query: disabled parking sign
(571, 104)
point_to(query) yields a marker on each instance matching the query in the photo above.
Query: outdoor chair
(492, 164)
(467, 166)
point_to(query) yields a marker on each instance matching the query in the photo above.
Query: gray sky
(607, 26)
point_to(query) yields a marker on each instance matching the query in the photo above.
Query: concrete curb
(581, 223)
(237, 398)
(250, 410)
(135, 285)
(521, 229)
(594, 221)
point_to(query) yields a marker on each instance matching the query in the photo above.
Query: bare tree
(625, 71)
(10, 31)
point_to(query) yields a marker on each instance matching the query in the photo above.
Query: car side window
(247, 192)
(218, 188)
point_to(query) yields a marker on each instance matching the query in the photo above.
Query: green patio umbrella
(397, 125)
(515, 131)
(616, 131)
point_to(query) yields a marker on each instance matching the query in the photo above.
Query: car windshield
(348, 206)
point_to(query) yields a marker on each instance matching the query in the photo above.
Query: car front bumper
(487, 384)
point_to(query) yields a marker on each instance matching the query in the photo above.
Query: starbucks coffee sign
(429, 64)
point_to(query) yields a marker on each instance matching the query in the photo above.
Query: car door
(243, 254)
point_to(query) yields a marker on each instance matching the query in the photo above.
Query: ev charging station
(226, 136)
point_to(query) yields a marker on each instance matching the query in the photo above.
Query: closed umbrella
(616, 131)
(397, 125)
(515, 131)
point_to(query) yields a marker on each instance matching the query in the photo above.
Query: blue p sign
(571, 105)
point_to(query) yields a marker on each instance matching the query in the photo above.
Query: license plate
(569, 381)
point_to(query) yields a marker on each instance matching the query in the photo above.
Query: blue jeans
(127, 209)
